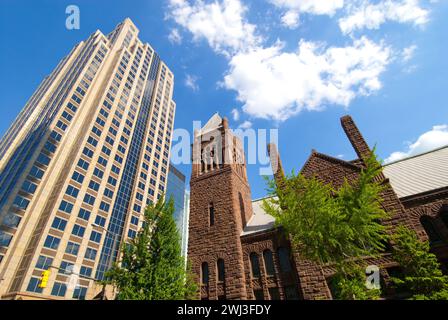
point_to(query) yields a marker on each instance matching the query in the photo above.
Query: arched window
(221, 270)
(268, 262)
(430, 230)
(242, 209)
(204, 274)
(211, 213)
(285, 262)
(255, 265)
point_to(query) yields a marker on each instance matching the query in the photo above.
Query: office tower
(177, 192)
(84, 157)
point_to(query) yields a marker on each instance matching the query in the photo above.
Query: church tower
(220, 207)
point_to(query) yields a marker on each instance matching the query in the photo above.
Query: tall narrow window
(221, 270)
(285, 262)
(430, 230)
(204, 274)
(268, 262)
(255, 265)
(211, 213)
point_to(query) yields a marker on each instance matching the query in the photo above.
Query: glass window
(80, 293)
(204, 274)
(85, 271)
(44, 262)
(84, 214)
(5, 239)
(255, 265)
(59, 224)
(66, 267)
(72, 248)
(33, 285)
(221, 270)
(269, 262)
(90, 254)
(11, 220)
(78, 230)
(211, 213)
(78, 177)
(21, 202)
(132, 234)
(52, 242)
(66, 207)
(95, 237)
(89, 199)
(59, 289)
(29, 187)
(72, 191)
(36, 172)
(100, 221)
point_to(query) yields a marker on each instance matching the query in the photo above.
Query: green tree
(329, 225)
(421, 276)
(152, 267)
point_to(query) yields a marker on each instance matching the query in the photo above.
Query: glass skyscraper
(176, 189)
(81, 161)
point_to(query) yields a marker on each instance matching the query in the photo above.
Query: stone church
(237, 252)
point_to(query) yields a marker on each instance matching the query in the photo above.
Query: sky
(292, 65)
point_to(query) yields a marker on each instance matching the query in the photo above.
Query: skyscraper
(176, 190)
(86, 154)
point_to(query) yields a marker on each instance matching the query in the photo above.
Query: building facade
(236, 250)
(176, 190)
(87, 153)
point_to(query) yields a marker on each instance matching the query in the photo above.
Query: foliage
(349, 283)
(422, 276)
(330, 225)
(152, 267)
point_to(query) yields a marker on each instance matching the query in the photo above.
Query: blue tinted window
(59, 224)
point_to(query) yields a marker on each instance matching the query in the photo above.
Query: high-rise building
(177, 191)
(86, 154)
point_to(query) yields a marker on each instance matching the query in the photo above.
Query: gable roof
(260, 221)
(420, 173)
(329, 169)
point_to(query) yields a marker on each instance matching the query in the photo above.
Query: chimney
(356, 139)
(276, 163)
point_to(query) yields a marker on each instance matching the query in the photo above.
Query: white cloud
(435, 138)
(245, 125)
(408, 53)
(294, 8)
(221, 23)
(175, 37)
(274, 84)
(191, 82)
(235, 114)
(372, 16)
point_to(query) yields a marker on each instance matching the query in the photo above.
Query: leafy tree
(422, 276)
(330, 225)
(152, 267)
(349, 284)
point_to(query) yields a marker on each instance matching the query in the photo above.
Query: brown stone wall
(257, 243)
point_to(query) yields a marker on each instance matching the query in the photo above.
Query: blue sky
(295, 65)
